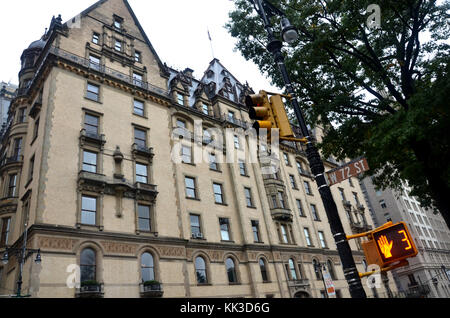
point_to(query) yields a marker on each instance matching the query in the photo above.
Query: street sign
(394, 243)
(351, 169)
(331, 291)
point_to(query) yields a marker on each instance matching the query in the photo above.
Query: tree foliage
(380, 92)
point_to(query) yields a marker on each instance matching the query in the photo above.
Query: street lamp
(266, 10)
(318, 270)
(22, 255)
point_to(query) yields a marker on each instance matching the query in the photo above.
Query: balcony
(142, 151)
(90, 290)
(416, 290)
(15, 160)
(299, 283)
(281, 214)
(151, 290)
(92, 138)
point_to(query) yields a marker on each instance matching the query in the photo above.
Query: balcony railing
(152, 290)
(90, 291)
(299, 283)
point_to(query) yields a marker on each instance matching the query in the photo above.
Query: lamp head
(289, 32)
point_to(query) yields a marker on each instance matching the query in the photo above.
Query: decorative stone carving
(119, 248)
(56, 243)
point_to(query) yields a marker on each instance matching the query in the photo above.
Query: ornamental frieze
(119, 248)
(171, 252)
(56, 243)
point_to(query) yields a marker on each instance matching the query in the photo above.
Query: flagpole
(211, 42)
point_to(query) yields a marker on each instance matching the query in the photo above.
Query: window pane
(90, 162)
(231, 270)
(141, 173)
(200, 268)
(88, 211)
(139, 108)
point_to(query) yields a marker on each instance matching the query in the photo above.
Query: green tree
(381, 91)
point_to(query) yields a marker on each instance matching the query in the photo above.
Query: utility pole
(317, 167)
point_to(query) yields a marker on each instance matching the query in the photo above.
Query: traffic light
(281, 118)
(269, 113)
(260, 110)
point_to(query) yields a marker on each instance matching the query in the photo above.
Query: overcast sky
(176, 28)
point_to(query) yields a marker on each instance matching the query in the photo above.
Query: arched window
(331, 270)
(317, 269)
(88, 265)
(263, 267)
(147, 267)
(231, 270)
(292, 269)
(200, 269)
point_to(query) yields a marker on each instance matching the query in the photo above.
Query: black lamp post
(290, 35)
(22, 255)
(318, 270)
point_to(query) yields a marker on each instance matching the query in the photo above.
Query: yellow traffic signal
(261, 111)
(280, 116)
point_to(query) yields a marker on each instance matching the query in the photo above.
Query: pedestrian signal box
(394, 243)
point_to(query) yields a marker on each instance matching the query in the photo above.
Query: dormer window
(138, 57)
(96, 38)
(118, 21)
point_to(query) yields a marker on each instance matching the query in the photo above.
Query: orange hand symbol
(385, 246)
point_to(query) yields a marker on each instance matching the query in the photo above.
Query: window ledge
(93, 100)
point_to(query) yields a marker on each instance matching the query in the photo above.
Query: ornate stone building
(88, 171)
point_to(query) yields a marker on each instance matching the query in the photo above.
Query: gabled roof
(136, 21)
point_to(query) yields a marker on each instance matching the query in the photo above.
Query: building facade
(428, 273)
(91, 175)
(7, 94)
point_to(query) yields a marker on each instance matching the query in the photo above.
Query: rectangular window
(323, 243)
(93, 92)
(118, 22)
(299, 167)
(237, 144)
(137, 57)
(17, 148)
(284, 235)
(140, 137)
(12, 186)
(255, 229)
(36, 128)
(195, 225)
(341, 192)
(91, 124)
(139, 108)
(355, 196)
(191, 191)
(218, 193)
(213, 162)
(186, 154)
(383, 204)
(307, 236)
(242, 168)
(118, 46)
(89, 161)
(205, 109)
(300, 208)
(88, 210)
(248, 197)
(314, 213)
(6, 224)
(141, 173)
(286, 159)
(350, 182)
(31, 169)
(307, 187)
(231, 117)
(180, 99)
(96, 38)
(274, 202)
(22, 115)
(94, 62)
(293, 182)
(224, 229)
(144, 219)
(137, 80)
(281, 199)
